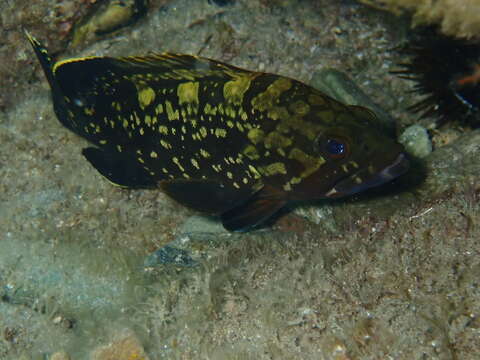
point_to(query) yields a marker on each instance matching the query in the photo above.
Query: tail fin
(44, 59)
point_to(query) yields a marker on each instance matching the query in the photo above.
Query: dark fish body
(217, 138)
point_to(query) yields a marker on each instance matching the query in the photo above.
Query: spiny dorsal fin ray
(44, 58)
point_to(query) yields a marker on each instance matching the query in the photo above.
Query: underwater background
(93, 271)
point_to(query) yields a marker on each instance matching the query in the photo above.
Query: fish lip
(397, 168)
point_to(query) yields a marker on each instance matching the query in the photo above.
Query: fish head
(355, 155)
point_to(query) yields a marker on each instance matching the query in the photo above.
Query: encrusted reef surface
(91, 271)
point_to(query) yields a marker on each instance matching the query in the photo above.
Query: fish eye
(334, 147)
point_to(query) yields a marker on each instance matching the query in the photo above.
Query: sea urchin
(447, 71)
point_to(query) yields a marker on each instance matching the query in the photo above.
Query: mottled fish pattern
(217, 138)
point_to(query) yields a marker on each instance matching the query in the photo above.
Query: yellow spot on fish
(310, 163)
(188, 93)
(277, 140)
(243, 115)
(195, 164)
(254, 172)
(267, 98)
(137, 119)
(166, 144)
(251, 152)
(177, 162)
(295, 180)
(230, 112)
(278, 112)
(209, 109)
(204, 153)
(145, 97)
(171, 114)
(163, 130)
(234, 90)
(354, 164)
(153, 154)
(220, 132)
(274, 169)
(159, 109)
(255, 135)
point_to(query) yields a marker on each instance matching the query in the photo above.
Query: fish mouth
(354, 184)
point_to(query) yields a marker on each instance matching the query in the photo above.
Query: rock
(198, 236)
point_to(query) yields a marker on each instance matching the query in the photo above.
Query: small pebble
(60, 355)
(124, 348)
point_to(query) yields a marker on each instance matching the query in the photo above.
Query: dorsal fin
(172, 63)
(167, 66)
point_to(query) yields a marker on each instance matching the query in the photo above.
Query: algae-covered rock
(108, 17)
(457, 18)
(339, 86)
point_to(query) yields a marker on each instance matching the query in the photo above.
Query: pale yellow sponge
(459, 18)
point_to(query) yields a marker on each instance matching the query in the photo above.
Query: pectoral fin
(261, 206)
(119, 170)
(207, 196)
